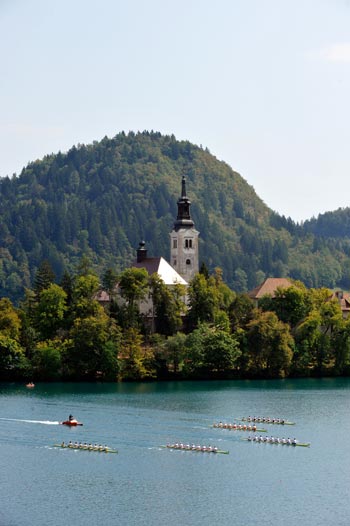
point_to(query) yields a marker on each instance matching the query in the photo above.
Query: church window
(174, 263)
(174, 243)
(188, 243)
(188, 262)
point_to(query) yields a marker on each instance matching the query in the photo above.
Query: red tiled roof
(102, 296)
(269, 286)
(343, 298)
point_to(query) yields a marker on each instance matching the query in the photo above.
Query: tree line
(102, 199)
(60, 331)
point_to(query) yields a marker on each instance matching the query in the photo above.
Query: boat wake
(45, 422)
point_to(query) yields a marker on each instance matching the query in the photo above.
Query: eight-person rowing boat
(86, 447)
(238, 427)
(267, 420)
(197, 448)
(274, 440)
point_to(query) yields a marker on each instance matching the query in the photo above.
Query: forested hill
(102, 199)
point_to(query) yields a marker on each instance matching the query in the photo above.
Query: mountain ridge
(102, 199)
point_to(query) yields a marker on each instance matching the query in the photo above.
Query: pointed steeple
(183, 209)
(184, 239)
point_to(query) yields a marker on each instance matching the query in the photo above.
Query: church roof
(269, 286)
(162, 268)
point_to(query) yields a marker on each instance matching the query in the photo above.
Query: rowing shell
(108, 450)
(301, 444)
(261, 420)
(198, 450)
(236, 428)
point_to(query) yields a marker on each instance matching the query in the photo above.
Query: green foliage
(10, 322)
(168, 305)
(133, 285)
(291, 304)
(174, 351)
(94, 347)
(47, 361)
(270, 346)
(85, 288)
(50, 310)
(97, 201)
(240, 312)
(202, 300)
(210, 350)
(137, 361)
(44, 277)
(13, 363)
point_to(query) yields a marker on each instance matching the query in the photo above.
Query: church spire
(184, 239)
(183, 219)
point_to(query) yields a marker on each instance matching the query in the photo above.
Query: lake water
(147, 485)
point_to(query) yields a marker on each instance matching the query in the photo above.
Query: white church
(183, 255)
(183, 252)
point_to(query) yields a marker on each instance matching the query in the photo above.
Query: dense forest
(61, 331)
(102, 199)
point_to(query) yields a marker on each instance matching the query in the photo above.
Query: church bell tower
(184, 239)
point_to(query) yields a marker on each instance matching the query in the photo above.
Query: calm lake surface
(147, 485)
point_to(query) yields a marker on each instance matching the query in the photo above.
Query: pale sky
(264, 84)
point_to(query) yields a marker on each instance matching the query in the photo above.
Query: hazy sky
(264, 84)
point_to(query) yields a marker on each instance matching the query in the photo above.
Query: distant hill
(102, 199)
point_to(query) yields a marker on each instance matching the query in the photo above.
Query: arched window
(188, 262)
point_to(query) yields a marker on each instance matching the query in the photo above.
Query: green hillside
(102, 199)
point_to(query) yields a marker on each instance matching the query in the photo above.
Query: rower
(294, 442)
(63, 444)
